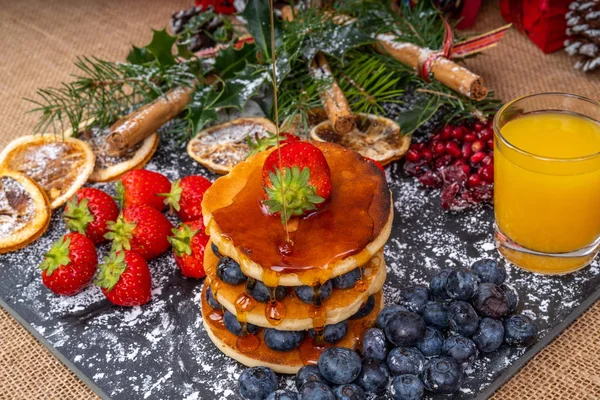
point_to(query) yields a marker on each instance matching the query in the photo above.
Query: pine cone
(583, 30)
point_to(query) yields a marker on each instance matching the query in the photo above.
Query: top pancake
(345, 233)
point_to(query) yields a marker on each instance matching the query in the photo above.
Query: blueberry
(339, 365)
(215, 250)
(431, 344)
(489, 271)
(230, 272)
(333, 333)
(262, 293)
(211, 299)
(490, 301)
(489, 335)
(365, 308)
(436, 314)
(406, 387)
(438, 284)
(307, 293)
(415, 298)
(461, 284)
(257, 382)
(442, 375)
(308, 373)
(374, 344)
(405, 329)
(511, 295)
(520, 330)
(462, 318)
(349, 392)
(282, 395)
(405, 360)
(387, 313)
(460, 348)
(316, 391)
(234, 326)
(347, 280)
(374, 376)
(283, 340)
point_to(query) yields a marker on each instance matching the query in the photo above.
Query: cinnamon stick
(140, 124)
(447, 72)
(334, 102)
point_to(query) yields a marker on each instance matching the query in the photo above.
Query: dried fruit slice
(109, 168)
(59, 165)
(221, 147)
(294, 125)
(374, 137)
(24, 211)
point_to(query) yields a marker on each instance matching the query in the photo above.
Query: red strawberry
(303, 176)
(125, 279)
(141, 229)
(186, 197)
(69, 265)
(88, 213)
(140, 186)
(375, 163)
(189, 242)
(257, 144)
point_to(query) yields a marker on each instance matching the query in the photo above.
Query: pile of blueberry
(424, 343)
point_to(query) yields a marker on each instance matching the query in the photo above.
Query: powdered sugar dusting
(160, 350)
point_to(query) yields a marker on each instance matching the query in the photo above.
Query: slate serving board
(160, 350)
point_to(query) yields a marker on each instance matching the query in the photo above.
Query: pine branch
(105, 91)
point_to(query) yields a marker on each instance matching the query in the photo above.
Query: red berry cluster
(458, 159)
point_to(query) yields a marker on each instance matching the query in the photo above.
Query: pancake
(344, 234)
(282, 362)
(339, 306)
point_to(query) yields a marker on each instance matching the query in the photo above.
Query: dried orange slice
(221, 147)
(109, 168)
(294, 125)
(59, 165)
(24, 211)
(374, 137)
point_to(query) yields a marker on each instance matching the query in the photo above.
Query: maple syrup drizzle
(248, 343)
(309, 351)
(318, 314)
(215, 318)
(362, 284)
(243, 304)
(275, 312)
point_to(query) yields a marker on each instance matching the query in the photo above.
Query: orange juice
(547, 189)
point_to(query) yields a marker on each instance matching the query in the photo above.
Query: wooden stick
(334, 101)
(140, 124)
(445, 71)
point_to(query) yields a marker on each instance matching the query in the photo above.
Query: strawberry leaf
(111, 270)
(182, 239)
(78, 215)
(57, 256)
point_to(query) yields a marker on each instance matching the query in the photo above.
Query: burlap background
(39, 41)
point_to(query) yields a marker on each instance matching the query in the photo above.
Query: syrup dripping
(309, 351)
(320, 335)
(270, 278)
(318, 315)
(317, 302)
(247, 344)
(250, 283)
(275, 312)
(243, 304)
(215, 318)
(362, 284)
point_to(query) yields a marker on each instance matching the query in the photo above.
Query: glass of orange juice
(547, 182)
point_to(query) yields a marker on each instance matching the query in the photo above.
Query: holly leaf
(184, 52)
(200, 111)
(161, 47)
(239, 89)
(257, 15)
(334, 40)
(139, 56)
(229, 61)
(422, 111)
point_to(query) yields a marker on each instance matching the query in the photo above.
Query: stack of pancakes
(349, 232)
